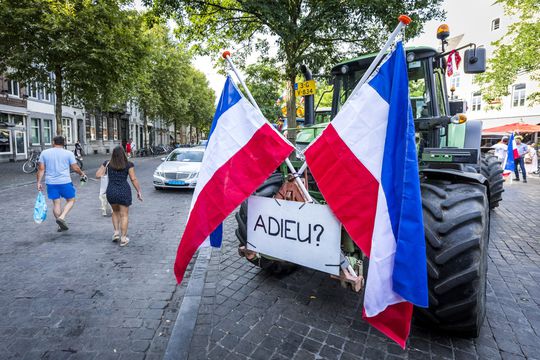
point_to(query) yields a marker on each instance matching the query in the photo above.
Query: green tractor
(459, 186)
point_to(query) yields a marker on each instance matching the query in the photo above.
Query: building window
(518, 95)
(18, 120)
(454, 81)
(495, 24)
(46, 95)
(105, 128)
(34, 131)
(115, 129)
(33, 91)
(13, 88)
(5, 141)
(476, 101)
(47, 131)
(67, 131)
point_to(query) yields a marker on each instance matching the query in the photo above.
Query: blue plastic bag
(40, 208)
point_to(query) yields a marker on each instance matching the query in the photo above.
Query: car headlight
(193, 175)
(158, 173)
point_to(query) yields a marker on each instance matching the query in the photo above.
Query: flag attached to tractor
(365, 165)
(243, 150)
(511, 154)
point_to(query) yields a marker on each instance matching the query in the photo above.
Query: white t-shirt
(500, 150)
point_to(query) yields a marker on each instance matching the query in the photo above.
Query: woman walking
(119, 192)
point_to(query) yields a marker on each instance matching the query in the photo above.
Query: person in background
(522, 150)
(128, 148)
(133, 147)
(501, 148)
(55, 164)
(78, 150)
(532, 158)
(119, 191)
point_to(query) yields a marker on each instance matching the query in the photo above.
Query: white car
(180, 169)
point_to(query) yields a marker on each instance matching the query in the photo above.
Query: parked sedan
(180, 169)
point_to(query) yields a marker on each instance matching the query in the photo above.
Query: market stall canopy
(515, 127)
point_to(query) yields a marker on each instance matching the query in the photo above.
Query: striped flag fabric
(243, 150)
(365, 165)
(511, 154)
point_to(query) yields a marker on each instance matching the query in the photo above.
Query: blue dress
(118, 190)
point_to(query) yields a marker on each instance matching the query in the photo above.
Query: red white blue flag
(366, 167)
(243, 150)
(511, 154)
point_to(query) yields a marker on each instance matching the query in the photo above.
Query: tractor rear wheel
(456, 224)
(268, 189)
(491, 168)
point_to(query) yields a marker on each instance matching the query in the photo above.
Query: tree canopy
(312, 32)
(93, 48)
(516, 52)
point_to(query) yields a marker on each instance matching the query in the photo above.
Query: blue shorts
(56, 191)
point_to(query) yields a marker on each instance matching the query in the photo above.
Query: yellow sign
(305, 88)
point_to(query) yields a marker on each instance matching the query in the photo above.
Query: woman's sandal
(124, 240)
(115, 237)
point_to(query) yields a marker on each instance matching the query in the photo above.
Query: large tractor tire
(456, 224)
(268, 189)
(491, 168)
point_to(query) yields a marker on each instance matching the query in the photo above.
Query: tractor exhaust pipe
(309, 101)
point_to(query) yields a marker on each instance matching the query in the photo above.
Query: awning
(515, 127)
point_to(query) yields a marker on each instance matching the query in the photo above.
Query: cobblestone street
(248, 314)
(77, 295)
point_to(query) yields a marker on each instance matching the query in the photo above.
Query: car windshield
(186, 156)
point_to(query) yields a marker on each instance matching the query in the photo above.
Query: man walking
(55, 164)
(522, 151)
(500, 148)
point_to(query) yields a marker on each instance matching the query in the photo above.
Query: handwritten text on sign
(304, 234)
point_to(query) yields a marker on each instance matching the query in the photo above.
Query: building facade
(482, 22)
(28, 122)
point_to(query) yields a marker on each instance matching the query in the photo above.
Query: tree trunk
(291, 107)
(175, 133)
(197, 133)
(59, 92)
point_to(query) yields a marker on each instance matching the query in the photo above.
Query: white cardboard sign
(301, 233)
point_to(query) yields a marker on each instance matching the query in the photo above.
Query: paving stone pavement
(248, 314)
(77, 295)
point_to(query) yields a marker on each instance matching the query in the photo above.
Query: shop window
(18, 120)
(5, 141)
(47, 131)
(115, 129)
(34, 131)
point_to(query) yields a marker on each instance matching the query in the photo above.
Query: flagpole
(404, 20)
(227, 56)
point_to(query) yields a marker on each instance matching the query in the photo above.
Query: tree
(93, 48)
(168, 87)
(516, 52)
(266, 84)
(311, 32)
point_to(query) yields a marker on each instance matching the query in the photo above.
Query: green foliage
(312, 32)
(266, 85)
(516, 52)
(92, 47)
(168, 87)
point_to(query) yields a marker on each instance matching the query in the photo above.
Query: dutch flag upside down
(365, 165)
(243, 150)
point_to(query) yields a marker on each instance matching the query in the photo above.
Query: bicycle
(31, 165)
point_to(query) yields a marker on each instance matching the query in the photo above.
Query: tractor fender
(455, 175)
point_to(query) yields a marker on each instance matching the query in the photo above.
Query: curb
(182, 333)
